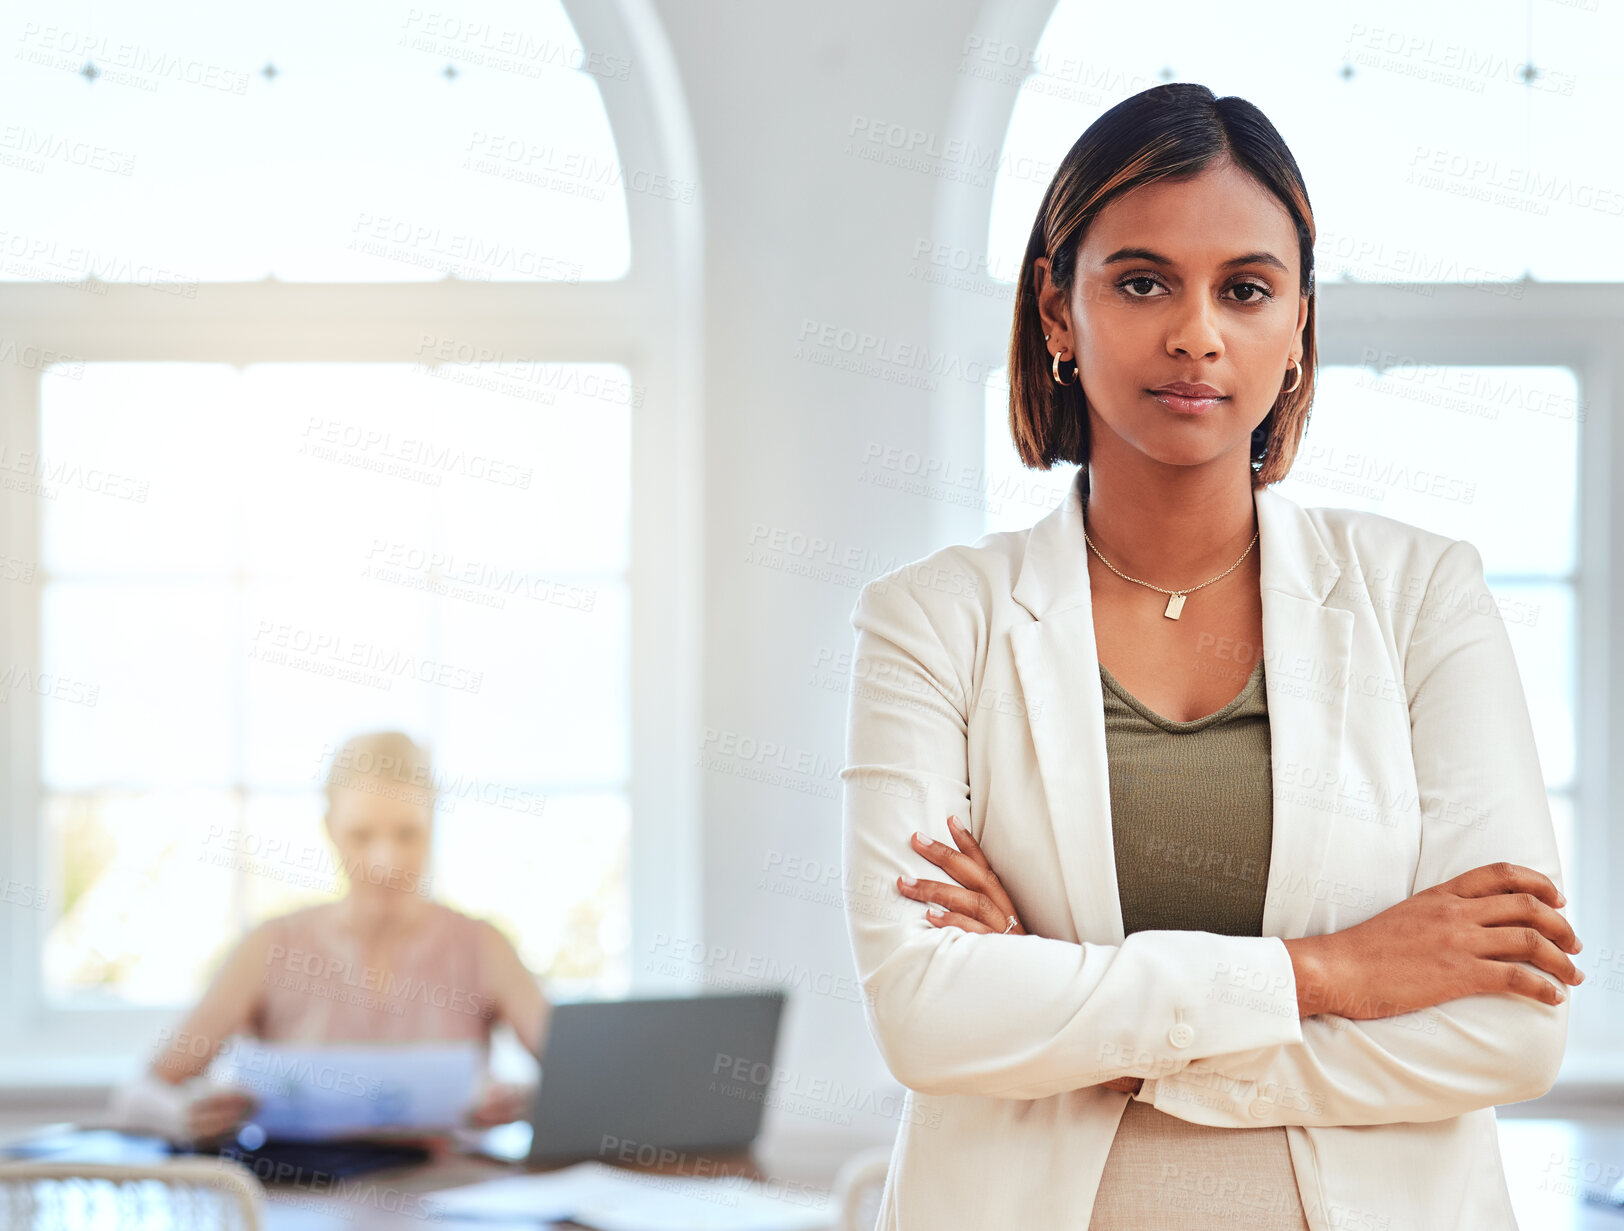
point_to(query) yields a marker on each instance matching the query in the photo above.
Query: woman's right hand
(1461, 938)
(215, 1113)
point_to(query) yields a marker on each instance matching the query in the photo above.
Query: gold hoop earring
(1299, 379)
(1055, 368)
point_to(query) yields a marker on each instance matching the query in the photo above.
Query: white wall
(800, 228)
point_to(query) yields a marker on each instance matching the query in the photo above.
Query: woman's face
(1162, 294)
(382, 838)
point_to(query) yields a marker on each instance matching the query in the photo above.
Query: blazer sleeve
(955, 1012)
(1482, 799)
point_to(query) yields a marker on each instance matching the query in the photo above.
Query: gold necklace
(1175, 603)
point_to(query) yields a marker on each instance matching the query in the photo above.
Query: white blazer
(1402, 755)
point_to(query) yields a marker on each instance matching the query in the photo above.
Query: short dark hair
(1172, 131)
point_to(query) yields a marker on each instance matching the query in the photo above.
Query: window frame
(1579, 326)
(649, 321)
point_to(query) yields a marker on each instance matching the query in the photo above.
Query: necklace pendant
(1175, 604)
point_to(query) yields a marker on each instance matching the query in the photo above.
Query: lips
(1187, 399)
(1185, 389)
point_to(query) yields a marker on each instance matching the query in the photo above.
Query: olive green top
(1192, 812)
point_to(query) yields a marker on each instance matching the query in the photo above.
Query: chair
(175, 1194)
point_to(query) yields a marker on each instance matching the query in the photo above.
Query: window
(368, 142)
(1454, 448)
(320, 415)
(1434, 150)
(292, 552)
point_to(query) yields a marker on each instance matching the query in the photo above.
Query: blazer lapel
(1307, 648)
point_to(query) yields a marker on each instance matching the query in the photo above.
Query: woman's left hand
(976, 900)
(501, 1103)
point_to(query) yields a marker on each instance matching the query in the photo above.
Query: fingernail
(936, 908)
(1561, 898)
(921, 838)
(908, 880)
(954, 821)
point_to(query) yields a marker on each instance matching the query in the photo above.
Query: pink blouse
(318, 988)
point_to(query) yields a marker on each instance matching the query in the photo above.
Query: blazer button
(1181, 1035)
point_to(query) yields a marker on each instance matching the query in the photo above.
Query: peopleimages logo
(331, 971)
(430, 455)
(383, 774)
(305, 864)
(332, 654)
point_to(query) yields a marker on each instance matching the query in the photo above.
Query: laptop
(634, 1080)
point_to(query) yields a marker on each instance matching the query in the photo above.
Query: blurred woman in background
(393, 965)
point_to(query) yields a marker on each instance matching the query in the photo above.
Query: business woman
(384, 963)
(1217, 882)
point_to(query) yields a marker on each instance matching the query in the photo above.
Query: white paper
(616, 1199)
(314, 1093)
(548, 1196)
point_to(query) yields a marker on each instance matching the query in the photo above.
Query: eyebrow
(1156, 258)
